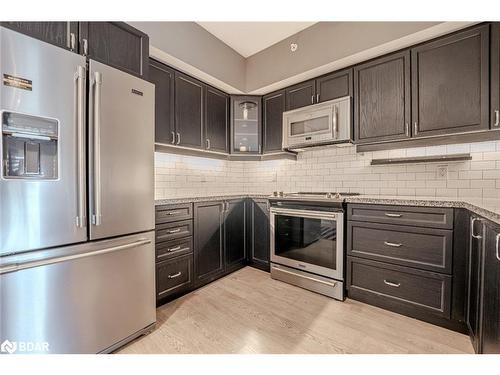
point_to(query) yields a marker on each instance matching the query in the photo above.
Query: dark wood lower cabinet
(234, 235)
(208, 241)
(258, 233)
(174, 276)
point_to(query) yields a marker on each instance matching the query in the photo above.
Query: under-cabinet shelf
(423, 159)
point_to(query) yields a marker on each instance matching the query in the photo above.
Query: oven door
(311, 241)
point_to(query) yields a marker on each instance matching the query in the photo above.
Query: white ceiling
(248, 38)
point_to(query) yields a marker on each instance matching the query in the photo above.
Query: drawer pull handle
(392, 284)
(175, 275)
(172, 231)
(173, 213)
(392, 244)
(174, 248)
(392, 215)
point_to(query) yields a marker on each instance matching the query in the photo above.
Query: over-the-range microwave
(322, 123)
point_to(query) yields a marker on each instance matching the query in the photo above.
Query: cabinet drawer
(424, 248)
(172, 249)
(433, 217)
(399, 288)
(174, 275)
(172, 231)
(170, 213)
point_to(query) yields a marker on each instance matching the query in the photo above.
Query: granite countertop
(488, 208)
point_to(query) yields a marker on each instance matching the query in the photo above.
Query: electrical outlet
(442, 172)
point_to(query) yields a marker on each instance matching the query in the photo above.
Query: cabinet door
(208, 241)
(116, 44)
(188, 111)
(450, 84)
(259, 232)
(382, 99)
(216, 120)
(474, 281)
(273, 108)
(491, 291)
(301, 95)
(62, 34)
(163, 78)
(234, 234)
(495, 76)
(335, 85)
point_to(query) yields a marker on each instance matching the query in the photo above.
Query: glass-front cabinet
(246, 124)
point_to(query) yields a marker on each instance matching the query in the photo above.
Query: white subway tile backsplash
(332, 168)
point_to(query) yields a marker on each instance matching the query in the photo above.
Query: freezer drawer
(79, 299)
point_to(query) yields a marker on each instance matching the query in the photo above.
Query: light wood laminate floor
(248, 312)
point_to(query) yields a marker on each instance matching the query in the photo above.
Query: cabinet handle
(392, 244)
(317, 98)
(497, 241)
(72, 41)
(85, 47)
(497, 118)
(395, 285)
(312, 99)
(208, 144)
(335, 120)
(173, 212)
(174, 248)
(175, 275)
(172, 231)
(476, 236)
(178, 138)
(173, 138)
(392, 215)
(415, 126)
(407, 129)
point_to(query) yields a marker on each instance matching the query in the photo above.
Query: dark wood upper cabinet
(62, 34)
(163, 78)
(234, 234)
(335, 85)
(273, 108)
(382, 98)
(495, 76)
(301, 95)
(208, 241)
(116, 44)
(216, 120)
(491, 291)
(188, 111)
(450, 84)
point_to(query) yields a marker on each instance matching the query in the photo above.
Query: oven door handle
(306, 213)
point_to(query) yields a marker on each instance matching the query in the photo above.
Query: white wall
(335, 169)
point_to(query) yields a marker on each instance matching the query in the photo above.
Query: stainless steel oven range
(307, 241)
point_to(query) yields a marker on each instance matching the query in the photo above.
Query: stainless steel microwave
(322, 123)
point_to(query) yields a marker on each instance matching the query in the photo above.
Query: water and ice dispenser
(29, 147)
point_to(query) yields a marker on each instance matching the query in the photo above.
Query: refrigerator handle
(80, 124)
(96, 217)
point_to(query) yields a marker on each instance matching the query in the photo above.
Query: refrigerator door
(121, 147)
(85, 298)
(42, 181)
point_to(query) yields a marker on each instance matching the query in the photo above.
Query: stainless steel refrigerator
(76, 201)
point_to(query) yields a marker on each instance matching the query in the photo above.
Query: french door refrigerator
(76, 201)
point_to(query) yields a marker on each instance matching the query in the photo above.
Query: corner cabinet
(246, 124)
(258, 232)
(382, 99)
(273, 106)
(450, 84)
(116, 44)
(234, 234)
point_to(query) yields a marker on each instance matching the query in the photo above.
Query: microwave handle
(335, 121)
